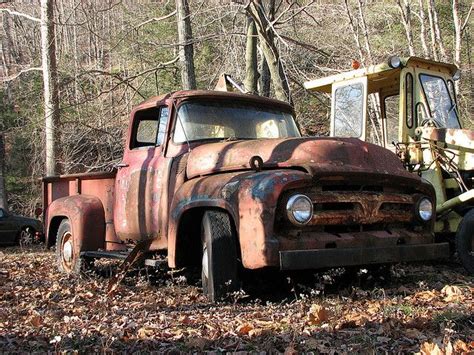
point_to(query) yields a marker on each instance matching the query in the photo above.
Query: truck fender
(195, 207)
(87, 219)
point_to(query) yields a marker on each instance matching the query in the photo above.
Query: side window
(391, 118)
(164, 113)
(348, 111)
(145, 128)
(409, 99)
(2, 213)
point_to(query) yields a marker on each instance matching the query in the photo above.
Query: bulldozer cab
(386, 103)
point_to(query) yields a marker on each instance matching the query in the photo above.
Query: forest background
(112, 54)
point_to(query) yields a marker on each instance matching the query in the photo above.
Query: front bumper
(338, 257)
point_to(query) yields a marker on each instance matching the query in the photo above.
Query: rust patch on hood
(316, 155)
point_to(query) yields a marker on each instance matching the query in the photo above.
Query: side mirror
(38, 211)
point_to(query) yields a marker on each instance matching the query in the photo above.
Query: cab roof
(212, 94)
(380, 75)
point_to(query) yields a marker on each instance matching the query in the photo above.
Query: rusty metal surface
(326, 258)
(87, 220)
(157, 186)
(457, 137)
(321, 155)
(83, 198)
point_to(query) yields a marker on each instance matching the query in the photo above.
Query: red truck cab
(222, 179)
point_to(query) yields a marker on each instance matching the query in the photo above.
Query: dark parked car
(18, 229)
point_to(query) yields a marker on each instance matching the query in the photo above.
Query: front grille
(354, 207)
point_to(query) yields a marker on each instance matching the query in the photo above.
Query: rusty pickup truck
(224, 180)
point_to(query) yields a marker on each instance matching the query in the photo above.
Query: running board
(120, 255)
(97, 254)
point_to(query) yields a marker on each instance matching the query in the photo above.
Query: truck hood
(317, 155)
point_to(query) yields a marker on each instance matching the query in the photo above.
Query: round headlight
(299, 209)
(394, 62)
(425, 209)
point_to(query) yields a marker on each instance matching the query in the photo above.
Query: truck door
(140, 175)
(349, 109)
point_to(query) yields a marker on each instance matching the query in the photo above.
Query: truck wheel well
(188, 242)
(53, 230)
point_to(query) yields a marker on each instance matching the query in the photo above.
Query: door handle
(121, 165)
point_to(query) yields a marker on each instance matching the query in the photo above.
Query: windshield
(442, 106)
(231, 120)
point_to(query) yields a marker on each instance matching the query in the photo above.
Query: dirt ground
(427, 308)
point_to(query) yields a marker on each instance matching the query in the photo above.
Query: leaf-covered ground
(423, 308)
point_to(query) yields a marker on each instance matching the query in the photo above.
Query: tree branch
(13, 77)
(21, 14)
(466, 20)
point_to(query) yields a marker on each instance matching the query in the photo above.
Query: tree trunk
(426, 51)
(434, 50)
(251, 70)
(439, 39)
(264, 78)
(50, 82)
(270, 51)
(355, 32)
(185, 38)
(365, 32)
(457, 33)
(3, 190)
(405, 12)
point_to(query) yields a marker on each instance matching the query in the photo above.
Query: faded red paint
(319, 155)
(358, 188)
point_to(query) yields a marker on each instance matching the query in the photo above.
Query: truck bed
(98, 184)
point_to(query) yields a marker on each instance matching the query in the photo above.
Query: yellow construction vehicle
(409, 105)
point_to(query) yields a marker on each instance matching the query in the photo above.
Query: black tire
(68, 259)
(464, 241)
(219, 256)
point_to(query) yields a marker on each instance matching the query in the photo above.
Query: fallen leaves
(317, 315)
(452, 293)
(424, 310)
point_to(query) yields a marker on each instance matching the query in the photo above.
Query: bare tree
(3, 190)
(50, 82)
(186, 51)
(422, 18)
(265, 78)
(459, 27)
(405, 12)
(266, 36)
(365, 32)
(251, 70)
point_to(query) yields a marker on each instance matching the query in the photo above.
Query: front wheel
(219, 255)
(68, 258)
(465, 241)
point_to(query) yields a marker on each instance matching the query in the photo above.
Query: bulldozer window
(442, 107)
(348, 112)
(391, 118)
(409, 99)
(374, 129)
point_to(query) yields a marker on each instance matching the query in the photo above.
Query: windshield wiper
(453, 107)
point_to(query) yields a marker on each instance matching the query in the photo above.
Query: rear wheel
(219, 255)
(26, 237)
(68, 258)
(465, 241)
